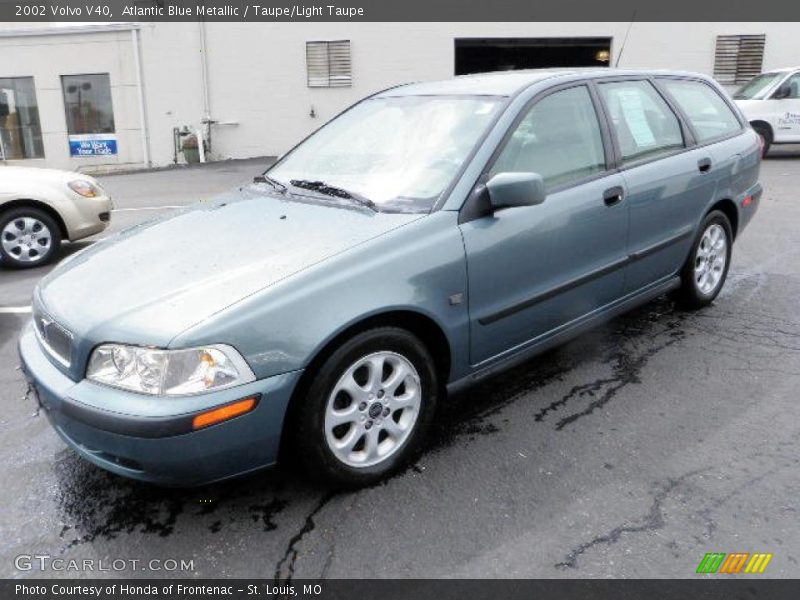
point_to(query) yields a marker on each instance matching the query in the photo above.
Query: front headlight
(85, 188)
(168, 372)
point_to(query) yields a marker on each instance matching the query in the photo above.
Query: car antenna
(625, 39)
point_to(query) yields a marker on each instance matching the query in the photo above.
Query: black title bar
(31, 11)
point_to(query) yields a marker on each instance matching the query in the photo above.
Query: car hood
(151, 282)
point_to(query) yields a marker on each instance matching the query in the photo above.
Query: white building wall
(257, 75)
(46, 58)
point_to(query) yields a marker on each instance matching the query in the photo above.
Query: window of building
(559, 139)
(644, 124)
(709, 115)
(20, 131)
(87, 100)
(328, 64)
(738, 58)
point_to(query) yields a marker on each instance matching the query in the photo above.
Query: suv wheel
(368, 409)
(29, 237)
(705, 270)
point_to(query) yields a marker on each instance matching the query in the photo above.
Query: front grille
(56, 340)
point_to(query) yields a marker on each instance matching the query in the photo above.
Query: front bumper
(138, 437)
(87, 216)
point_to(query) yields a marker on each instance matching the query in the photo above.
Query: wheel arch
(423, 326)
(727, 207)
(37, 204)
(756, 123)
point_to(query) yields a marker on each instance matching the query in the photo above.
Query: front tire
(706, 269)
(29, 238)
(368, 409)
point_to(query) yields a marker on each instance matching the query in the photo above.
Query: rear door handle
(704, 165)
(613, 195)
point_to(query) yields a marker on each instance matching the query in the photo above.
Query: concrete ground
(630, 452)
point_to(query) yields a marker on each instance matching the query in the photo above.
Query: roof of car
(783, 70)
(504, 83)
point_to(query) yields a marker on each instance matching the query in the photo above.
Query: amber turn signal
(223, 413)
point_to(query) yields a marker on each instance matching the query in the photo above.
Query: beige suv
(41, 207)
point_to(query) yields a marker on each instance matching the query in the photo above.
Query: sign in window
(90, 114)
(20, 131)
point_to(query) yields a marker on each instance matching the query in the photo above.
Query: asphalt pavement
(629, 452)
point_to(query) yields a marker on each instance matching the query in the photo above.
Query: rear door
(535, 269)
(668, 183)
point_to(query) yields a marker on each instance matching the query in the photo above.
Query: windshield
(400, 154)
(757, 86)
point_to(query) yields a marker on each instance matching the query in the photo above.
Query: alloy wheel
(710, 259)
(372, 409)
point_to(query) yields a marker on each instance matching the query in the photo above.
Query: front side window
(793, 85)
(400, 153)
(87, 100)
(757, 87)
(559, 138)
(20, 131)
(709, 115)
(644, 124)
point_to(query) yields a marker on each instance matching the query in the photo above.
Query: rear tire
(706, 269)
(29, 238)
(368, 409)
(765, 135)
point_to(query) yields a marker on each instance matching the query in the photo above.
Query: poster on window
(93, 144)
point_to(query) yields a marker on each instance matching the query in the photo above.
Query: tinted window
(20, 132)
(757, 86)
(559, 138)
(87, 100)
(709, 115)
(645, 125)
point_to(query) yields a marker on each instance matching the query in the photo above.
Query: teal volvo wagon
(427, 237)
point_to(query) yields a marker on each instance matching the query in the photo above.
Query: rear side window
(645, 125)
(559, 138)
(709, 115)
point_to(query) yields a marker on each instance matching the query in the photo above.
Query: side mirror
(782, 92)
(508, 190)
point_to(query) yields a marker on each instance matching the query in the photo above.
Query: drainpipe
(204, 72)
(140, 88)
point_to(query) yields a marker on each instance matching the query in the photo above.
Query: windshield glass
(757, 86)
(399, 153)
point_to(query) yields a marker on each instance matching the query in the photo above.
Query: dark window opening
(481, 55)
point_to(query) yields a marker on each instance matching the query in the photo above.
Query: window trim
(687, 120)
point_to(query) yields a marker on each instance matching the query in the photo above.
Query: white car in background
(41, 207)
(771, 102)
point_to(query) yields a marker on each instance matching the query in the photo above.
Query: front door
(787, 125)
(537, 268)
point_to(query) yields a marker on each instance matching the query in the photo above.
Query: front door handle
(613, 195)
(704, 165)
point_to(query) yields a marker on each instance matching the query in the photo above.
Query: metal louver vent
(328, 64)
(738, 57)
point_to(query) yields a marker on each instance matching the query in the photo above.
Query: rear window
(709, 114)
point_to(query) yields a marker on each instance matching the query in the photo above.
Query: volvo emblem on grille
(55, 339)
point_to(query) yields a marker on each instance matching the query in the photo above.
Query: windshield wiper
(335, 192)
(264, 178)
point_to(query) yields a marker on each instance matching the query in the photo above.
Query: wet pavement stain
(94, 504)
(626, 344)
(284, 570)
(653, 520)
